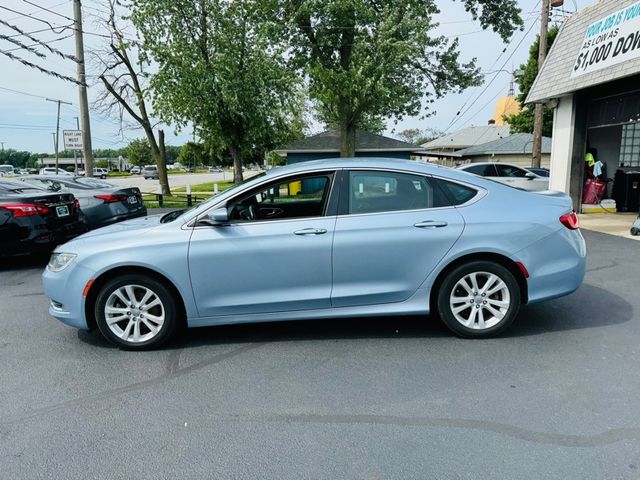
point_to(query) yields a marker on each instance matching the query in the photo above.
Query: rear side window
(511, 171)
(456, 193)
(482, 170)
(372, 192)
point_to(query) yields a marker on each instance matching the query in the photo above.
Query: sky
(28, 120)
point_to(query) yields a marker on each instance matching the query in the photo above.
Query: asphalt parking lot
(557, 397)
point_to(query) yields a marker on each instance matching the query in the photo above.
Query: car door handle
(310, 231)
(431, 224)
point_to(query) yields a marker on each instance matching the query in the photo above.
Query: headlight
(60, 261)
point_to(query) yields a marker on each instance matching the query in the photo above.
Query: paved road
(175, 180)
(558, 397)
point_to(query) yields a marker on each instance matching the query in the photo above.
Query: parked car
(215, 170)
(135, 171)
(52, 171)
(97, 173)
(334, 238)
(6, 170)
(35, 221)
(541, 172)
(101, 202)
(149, 171)
(511, 175)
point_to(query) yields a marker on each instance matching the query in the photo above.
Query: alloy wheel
(480, 300)
(134, 313)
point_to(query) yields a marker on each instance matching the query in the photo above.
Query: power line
(40, 42)
(47, 10)
(455, 118)
(22, 93)
(459, 115)
(36, 11)
(34, 18)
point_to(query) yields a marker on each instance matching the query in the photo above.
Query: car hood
(116, 235)
(141, 223)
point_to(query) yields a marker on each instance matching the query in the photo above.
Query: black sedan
(101, 202)
(35, 221)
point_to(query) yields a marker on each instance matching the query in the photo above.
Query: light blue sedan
(325, 239)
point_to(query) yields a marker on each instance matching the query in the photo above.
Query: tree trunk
(237, 164)
(161, 162)
(157, 150)
(347, 137)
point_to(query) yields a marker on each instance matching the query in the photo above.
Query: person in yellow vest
(589, 162)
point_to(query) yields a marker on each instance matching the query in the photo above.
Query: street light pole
(539, 107)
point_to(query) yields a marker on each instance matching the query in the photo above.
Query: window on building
(630, 145)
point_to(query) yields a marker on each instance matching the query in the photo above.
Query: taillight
(570, 220)
(76, 204)
(26, 209)
(112, 198)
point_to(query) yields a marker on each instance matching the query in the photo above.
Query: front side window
(371, 192)
(296, 197)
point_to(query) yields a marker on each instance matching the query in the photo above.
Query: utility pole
(57, 136)
(82, 89)
(539, 108)
(2, 145)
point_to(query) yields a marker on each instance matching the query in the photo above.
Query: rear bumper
(556, 265)
(41, 240)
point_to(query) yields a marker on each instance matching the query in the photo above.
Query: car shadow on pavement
(589, 307)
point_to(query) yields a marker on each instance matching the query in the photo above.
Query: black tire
(481, 268)
(635, 231)
(168, 305)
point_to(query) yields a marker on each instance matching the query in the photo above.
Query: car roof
(489, 163)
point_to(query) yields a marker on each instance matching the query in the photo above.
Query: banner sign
(72, 139)
(610, 41)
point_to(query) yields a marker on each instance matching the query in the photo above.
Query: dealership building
(591, 77)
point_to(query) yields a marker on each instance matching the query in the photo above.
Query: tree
(220, 69)
(192, 154)
(523, 122)
(123, 78)
(139, 152)
(367, 60)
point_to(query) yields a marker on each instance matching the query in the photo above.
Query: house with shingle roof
(591, 78)
(327, 145)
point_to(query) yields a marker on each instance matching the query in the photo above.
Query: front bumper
(64, 290)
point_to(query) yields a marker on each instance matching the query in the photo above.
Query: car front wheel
(479, 299)
(136, 312)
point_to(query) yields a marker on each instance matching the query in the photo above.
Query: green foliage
(219, 68)
(15, 158)
(139, 152)
(368, 60)
(418, 136)
(192, 154)
(523, 121)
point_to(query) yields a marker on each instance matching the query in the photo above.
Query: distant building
(516, 149)
(327, 145)
(467, 137)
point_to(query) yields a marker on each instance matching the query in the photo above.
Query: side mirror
(531, 175)
(217, 218)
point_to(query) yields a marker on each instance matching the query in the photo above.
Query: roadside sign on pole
(72, 139)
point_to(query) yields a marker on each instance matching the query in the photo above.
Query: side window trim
(345, 190)
(330, 174)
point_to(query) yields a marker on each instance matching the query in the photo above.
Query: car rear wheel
(479, 299)
(136, 312)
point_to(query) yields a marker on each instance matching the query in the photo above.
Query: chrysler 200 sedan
(333, 238)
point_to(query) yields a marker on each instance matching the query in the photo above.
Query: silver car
(509, 174)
